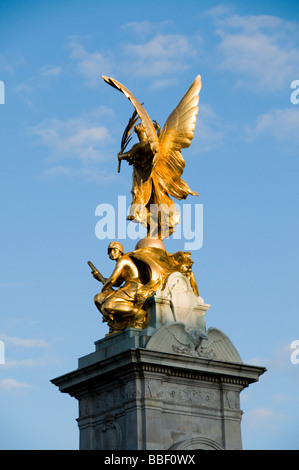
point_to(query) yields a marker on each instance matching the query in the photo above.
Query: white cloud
(77, 138)
(265, 418)
(91, 65)
(89, 174)
(51, 71)
(158, 58)
(13, 284)
(10, 64)
(24, 342)
(160, 83)
(139, 27)
(164, 54)
(209, 128)
(9, 384)
(24, 91)
(262, 50)
(40, 80)
(280, 124)
(219, 11)
(29, 363)
(259, 59)
(280, 359)
(145, 28)
(77, 145)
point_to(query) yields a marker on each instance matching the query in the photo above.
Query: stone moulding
(144, 399)
(172, 385)
(196, 443)
(138, 361)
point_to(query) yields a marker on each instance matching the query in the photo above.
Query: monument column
(159, 380)
(160, 389)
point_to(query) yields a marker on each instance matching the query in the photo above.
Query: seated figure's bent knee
(99, 299)
(119, 306)
(112, 306)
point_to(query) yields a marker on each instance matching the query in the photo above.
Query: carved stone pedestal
(173, 385)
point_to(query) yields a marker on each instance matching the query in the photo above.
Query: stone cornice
(143, 361)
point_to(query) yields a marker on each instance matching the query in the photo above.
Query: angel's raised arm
(146, 121)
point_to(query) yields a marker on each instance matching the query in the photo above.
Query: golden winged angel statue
(157, 161)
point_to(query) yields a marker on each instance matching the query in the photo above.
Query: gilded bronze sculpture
(157, 169)
(157, 162)
(137, 275)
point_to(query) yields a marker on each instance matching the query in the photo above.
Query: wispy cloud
(280, 358)
(260, 49)
(10, 64)
(50, 71)
(210, 129)
(76, 137)
(25, 92)
(89, 174)
(91, 65)
(30, 363)
(13, 284)
(24, 342)
(159, 57)
(9, 384)
(265, 418)
(144, 28)
(77, 145)
(164, 54)
(279, 124)
(38, 80)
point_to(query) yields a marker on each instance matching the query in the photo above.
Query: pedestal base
(173, 385)
(133, 398)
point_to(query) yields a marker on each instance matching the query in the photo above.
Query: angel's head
(140, 131)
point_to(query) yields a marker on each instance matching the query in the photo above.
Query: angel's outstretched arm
(131, 154)
(139, 155)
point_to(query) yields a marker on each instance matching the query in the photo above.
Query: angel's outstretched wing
(177, 133)
(146, 121)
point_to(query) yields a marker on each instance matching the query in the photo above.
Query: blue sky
(60, 132)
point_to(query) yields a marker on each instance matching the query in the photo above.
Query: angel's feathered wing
(177, 133)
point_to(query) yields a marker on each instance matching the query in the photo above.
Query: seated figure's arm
(114, 279)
